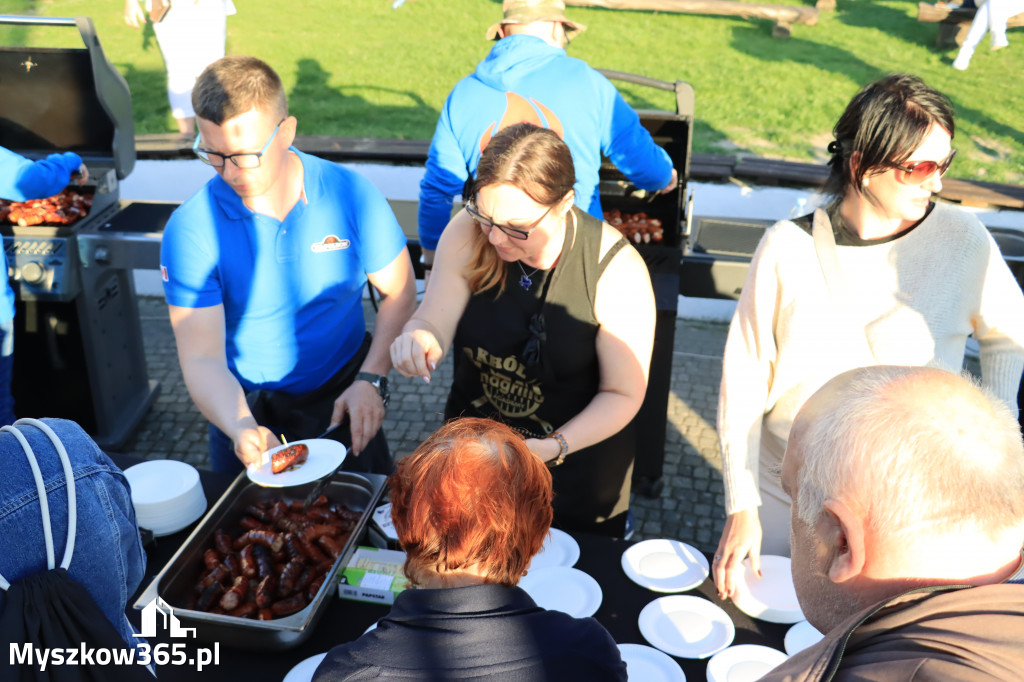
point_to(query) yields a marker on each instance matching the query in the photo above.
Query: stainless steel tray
(359, 492)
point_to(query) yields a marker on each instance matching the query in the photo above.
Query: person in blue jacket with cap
(529, 78)
(22, 179)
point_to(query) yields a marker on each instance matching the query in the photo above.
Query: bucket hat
(528, 11)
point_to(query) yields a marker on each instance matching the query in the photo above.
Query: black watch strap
(379, 381)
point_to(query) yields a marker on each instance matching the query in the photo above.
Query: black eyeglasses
(917, 173)
(245, 160)
(513, 232)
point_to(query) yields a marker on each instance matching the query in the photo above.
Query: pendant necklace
(525, 282)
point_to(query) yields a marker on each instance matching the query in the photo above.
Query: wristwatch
(378, 381)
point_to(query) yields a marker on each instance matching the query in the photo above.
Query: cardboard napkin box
(373, 575)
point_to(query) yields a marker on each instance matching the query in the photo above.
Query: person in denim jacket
(108, 557)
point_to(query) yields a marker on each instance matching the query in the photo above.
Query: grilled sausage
(269, 539)
(211, 559)
(333, 547)
(286, 607)
(246, 610)
(248, 562)
(236, 594)
(264, 565)
(291, 573)
(264, 595)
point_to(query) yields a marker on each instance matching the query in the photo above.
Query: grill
(673, 132)
(77, 332)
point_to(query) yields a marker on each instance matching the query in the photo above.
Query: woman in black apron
(551, 317)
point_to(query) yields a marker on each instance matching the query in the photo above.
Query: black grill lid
(65, 99)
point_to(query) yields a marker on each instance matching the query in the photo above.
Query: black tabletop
(345, 620)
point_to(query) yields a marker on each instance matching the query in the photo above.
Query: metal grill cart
(673, 132)
(77, 333)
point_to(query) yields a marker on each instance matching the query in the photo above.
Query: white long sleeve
(920, 297)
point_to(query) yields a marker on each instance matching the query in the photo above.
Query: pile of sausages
(636, 227)
(60, 209)
(278, 562)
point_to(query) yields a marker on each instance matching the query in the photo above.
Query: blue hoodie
(524, 79)
(21, 180)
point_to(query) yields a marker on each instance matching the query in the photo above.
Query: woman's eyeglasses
(245, 160)
(512, 232)
(917, 173)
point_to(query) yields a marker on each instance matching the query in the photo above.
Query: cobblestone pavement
(690, 507)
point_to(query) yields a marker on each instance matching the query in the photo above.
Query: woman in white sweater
(894, 279)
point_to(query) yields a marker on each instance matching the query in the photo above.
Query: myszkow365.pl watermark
(142, 654)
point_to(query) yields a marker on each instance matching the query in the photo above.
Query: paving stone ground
(690, 507)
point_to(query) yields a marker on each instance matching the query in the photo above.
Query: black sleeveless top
(527, 358)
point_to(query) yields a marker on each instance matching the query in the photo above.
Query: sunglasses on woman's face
(917, 173)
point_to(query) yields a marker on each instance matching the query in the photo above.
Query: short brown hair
(236, 84)
(535, 160)
(471, 495)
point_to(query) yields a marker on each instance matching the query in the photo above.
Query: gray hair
(920, 450)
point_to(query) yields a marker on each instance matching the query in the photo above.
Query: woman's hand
(740, 537)
(416, 353)
(134, 15)
(545, 448)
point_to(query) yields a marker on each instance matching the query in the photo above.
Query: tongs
(321, 484)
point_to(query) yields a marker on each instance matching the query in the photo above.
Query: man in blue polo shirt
(528, 77)
(263, 273)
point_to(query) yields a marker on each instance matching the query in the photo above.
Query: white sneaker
(961, 62)
(1000, 44)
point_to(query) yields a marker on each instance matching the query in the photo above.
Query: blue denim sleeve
(108, 559)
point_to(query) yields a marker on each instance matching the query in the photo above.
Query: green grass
(358, 68)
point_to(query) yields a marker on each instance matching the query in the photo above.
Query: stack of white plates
(771, 597)
(167, 495)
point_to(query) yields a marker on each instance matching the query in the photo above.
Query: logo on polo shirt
(330, 243)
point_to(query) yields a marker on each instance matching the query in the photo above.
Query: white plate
(559, 549)
(647, 664)
(560, 588)
(665, 565)
(686, 626)
(303, 672)
(324, 457)
(801, 636)
(771, 597)
(159, 483)
(187, 516)
(743, 663)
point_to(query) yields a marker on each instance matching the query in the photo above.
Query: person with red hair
(472, 506)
